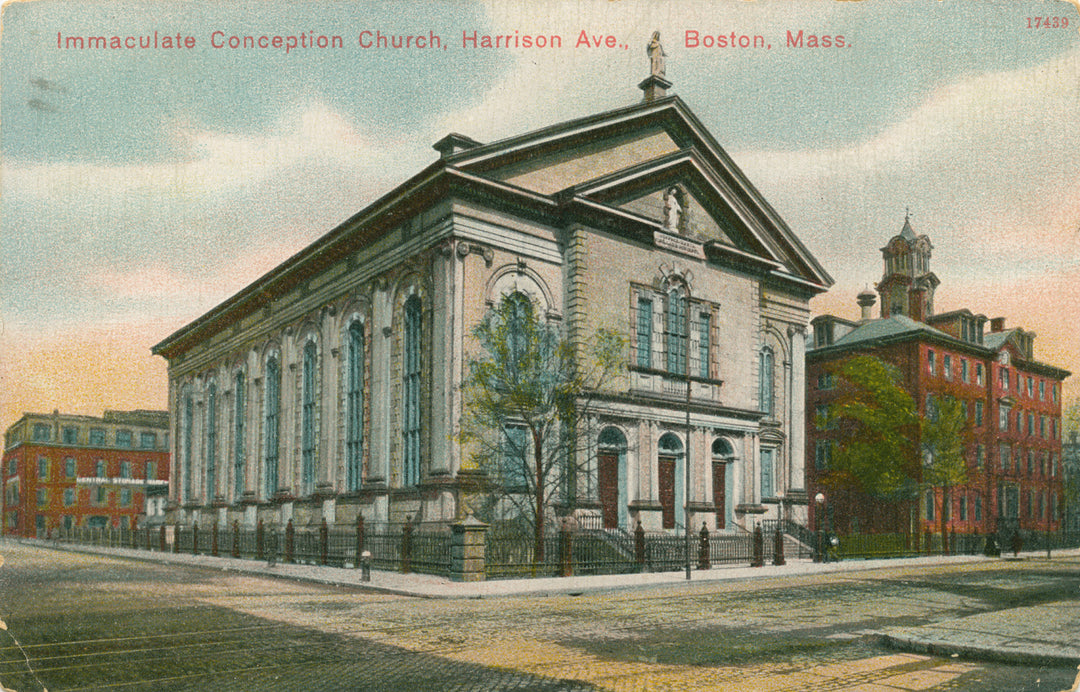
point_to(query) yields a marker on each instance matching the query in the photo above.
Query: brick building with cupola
(1012, 401)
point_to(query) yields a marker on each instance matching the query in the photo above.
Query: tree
(528, 400)
(944, 430)
(879, 424)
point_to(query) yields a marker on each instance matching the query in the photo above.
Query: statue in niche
(656, 54)
(673, 210)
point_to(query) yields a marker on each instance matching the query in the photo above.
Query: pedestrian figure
(1017, 543)
(272, 546)
(834, 549)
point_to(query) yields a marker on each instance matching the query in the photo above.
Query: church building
(331, 386)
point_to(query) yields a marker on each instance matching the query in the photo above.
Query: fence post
(290, 541)
(324, 542)
(704, 560)
(260, 543)
(176, 538)
(566, 551)
(359, 538)
(467, 549)
(639, 546)
(214, 540)
(778, 556)
(406, 546)
(195, 538)
(758, 559)
(161, 539)
(236, 538)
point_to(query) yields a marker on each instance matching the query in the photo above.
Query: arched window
(240, 405)
(272, 415)
(189, 415)
(307, 418)
(765, 382)
(354, 406)
(411, 392)
(211, 441)
(721, 449)
(676, 331)
(519, 314)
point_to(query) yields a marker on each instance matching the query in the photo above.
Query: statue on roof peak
(655, 51)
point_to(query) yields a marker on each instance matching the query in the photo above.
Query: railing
(403, 547)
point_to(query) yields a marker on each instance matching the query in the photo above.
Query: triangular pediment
(626, 159)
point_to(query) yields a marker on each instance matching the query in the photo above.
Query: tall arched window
(189, 416)
(240, 405)
(519, 314)
(211, 441)
(354, 406)
(307, 420)
(676, 331)
(765, 382)
(411, 392)
(272, 415)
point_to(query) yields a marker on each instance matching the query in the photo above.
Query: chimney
(866, 301)
(997, 324)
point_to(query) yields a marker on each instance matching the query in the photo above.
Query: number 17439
(1047, 22)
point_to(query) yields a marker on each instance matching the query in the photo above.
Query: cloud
(212, 165)
(990, 166)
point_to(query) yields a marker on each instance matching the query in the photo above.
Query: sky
(140, 187)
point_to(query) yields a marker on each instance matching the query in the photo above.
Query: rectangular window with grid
(644, 333)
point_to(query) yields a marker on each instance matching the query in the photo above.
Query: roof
(895, 325)
(906, 232)
(492, 173)
(901, 327)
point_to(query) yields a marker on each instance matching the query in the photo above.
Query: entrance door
(719, 479)
(609, 489)
(667, 490)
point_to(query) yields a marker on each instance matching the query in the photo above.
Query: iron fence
(392, 546)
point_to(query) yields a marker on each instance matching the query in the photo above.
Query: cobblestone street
(78, 621)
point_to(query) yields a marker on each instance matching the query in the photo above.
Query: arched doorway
(669, 461)
(611, 477)
(722, 456)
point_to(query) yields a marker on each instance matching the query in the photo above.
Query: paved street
(80, 621)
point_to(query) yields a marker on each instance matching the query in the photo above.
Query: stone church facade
(330, 387)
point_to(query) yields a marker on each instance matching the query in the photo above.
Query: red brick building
(1012, 445)
(66, 470)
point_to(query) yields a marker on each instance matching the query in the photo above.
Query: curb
(974, 652)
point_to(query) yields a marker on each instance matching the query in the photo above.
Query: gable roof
(469, 169)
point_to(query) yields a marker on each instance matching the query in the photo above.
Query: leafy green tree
(879, 425)
(528, 400)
